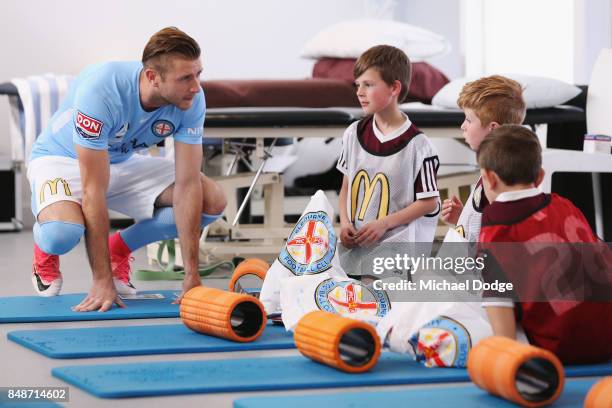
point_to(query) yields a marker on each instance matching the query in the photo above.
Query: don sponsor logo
(88, 127)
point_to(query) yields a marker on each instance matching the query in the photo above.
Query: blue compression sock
(161, 227)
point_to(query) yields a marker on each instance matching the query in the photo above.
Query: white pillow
(350, 39)
(538, 92)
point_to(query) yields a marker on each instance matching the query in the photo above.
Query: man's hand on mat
(101, 297)
(347, 235)
(190, 281)
(451, 210)
(371, 233)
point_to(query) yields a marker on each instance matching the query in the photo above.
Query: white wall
(557, 38)
(239, 38)
(529, 37)
(442, 17)
(593, 31)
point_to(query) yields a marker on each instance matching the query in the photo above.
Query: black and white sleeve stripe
(426, 185)
(342, 166)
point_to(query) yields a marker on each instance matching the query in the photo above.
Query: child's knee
(57, 237)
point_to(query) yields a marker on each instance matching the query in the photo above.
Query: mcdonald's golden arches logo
(460, 230)
(369, 187)
(52, 184)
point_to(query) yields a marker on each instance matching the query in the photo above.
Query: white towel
(39, 97)
(310, 250)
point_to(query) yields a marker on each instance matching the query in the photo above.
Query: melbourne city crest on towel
(348, 297)
(311, 245)
(443, 342)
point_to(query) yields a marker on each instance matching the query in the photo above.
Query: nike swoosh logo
(41, 286)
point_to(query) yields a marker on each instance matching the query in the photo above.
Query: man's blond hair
(169, 41)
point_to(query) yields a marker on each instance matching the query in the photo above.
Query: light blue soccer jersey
(102, 111)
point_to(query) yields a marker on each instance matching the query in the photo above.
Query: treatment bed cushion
(304, 93)
(426, 79)
(538, 92)
(350, 39)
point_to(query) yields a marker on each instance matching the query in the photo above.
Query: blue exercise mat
(258, 374)
(139, 340)
(25, 309)
(470, 396)
(253, 374)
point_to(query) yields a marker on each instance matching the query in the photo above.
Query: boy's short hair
(165, 42)
(494, 99)
(391, 63)
(513, 152)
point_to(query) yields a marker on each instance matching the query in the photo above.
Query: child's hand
(503, 321)
(347, 235)
(451, 209)
(371, 233)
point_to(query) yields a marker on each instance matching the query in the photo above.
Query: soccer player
(83, 164)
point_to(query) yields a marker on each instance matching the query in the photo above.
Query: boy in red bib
(558, 283)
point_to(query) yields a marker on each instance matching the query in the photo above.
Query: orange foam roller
(346, 344)
(600, 394)
(219, 313)
(521, 373)
(252, 266)
(256, 261)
